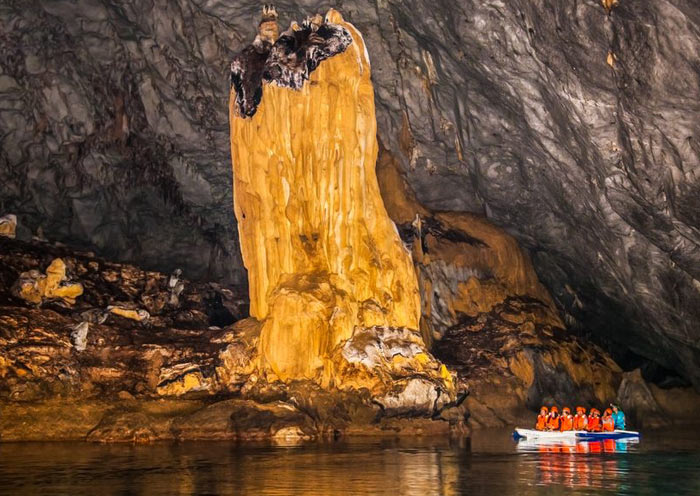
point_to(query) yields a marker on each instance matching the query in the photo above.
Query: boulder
(180, 379)
(394, 364)
(79, 336)
(649, 406)
(136, 314)
(36, 288)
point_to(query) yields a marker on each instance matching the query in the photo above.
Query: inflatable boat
(555, 436)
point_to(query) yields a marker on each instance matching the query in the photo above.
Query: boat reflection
(573, 446)
(579, 464)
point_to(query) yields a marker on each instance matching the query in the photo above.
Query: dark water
(664, 463)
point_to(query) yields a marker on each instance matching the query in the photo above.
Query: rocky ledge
(100, 351)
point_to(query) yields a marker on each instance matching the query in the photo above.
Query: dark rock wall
(115, 133)
(575, 130)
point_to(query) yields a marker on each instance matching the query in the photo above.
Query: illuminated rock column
(321, 252)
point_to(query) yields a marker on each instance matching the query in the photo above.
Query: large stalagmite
(324, 259)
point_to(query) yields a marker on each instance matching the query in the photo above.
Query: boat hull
(592, 436)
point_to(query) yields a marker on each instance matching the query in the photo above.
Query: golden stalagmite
(323, 256)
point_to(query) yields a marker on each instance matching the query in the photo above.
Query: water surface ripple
(664, 462)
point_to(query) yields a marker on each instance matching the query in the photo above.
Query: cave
(231, 221)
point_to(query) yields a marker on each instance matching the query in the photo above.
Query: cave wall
(114, 131)
(573, 128)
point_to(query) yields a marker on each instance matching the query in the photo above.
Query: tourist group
(550, 420)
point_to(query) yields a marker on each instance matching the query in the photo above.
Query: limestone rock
(240, 357)
(243, 420)
(289, 435)
(36, 346)
(638, 402)
(176, 286)
(414, 395)
(137, 383)
(500, 327)
(35, 287)
(8, 225)
(95, 316)
(137, 314)
(105, 283)
(512, 362)
(507, 110)
(322, 254)
(465, 264)
(394, 364)
(285, 60)
(181, 379)
(647, 405)
(131, 427)
(79, 336)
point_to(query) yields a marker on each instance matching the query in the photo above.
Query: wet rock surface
(82, 371)
(50, 348)
(648, 405)
(99, 290)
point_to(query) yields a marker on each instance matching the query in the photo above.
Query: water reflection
(581, 464)
(490, 463)
(573, 446)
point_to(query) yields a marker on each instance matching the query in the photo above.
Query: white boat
(556, 436)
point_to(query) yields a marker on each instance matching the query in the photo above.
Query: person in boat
(541, 424)
(608, 421)
(580, 419)
(618, 418)
(553, 422)
(594, 424)
(566, 420)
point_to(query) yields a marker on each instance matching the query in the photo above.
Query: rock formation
(35, 287)
(8, 225)
(487, 315)
(552, 143)
(82, 372)
(115, 137)
(325, 262)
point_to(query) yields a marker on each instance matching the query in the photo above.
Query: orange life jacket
(541, 422)
(594, 424)
(580, 422)
(567, 423)
(608, 424)
(553, 423)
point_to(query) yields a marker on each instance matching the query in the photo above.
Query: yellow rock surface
(35, 287)
(181, 379)
(475, 296)
(127, 313)
(8, 225)
(609, 4)
(321, 252)
(496, 253)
